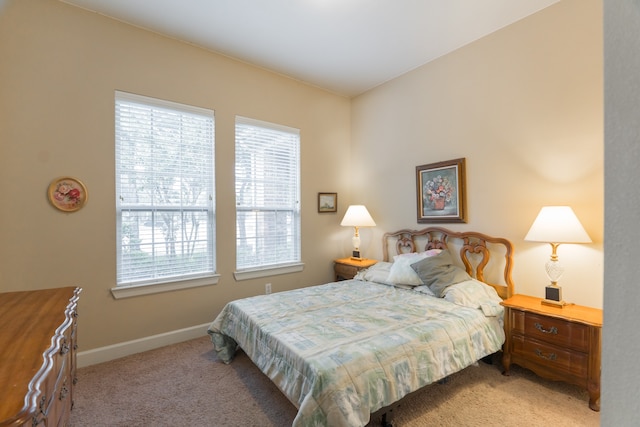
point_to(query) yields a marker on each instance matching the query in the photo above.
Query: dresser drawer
(552, 330)
(556, 343)
(557, 358)
(345, 271)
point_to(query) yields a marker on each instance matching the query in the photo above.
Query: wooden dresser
(38, 356)
(558, 343)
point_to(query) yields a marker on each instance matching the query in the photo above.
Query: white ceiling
(345, 46)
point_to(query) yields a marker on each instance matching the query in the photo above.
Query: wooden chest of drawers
(38, 369)
(556, 343)
(347, 268)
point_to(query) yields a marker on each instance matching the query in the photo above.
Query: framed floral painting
(67, 194)
(441, 193)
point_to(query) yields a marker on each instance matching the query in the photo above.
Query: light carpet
(187, 385)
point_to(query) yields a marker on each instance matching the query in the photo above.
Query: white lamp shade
(357, 216)
(557, 224)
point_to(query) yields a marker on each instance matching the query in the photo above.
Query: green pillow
(438, 272)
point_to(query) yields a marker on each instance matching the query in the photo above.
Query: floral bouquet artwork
(438, 192)
(67, 194)
(441, 191)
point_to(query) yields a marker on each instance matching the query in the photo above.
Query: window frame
(163, 283)
(285, 266)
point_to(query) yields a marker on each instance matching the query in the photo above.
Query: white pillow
(378, 272)
(401, 272)
(475, 294)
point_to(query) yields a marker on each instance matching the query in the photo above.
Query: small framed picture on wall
(327, 202)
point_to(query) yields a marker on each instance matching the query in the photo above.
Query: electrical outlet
(267, 288)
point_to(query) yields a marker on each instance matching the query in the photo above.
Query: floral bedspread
(343, 350)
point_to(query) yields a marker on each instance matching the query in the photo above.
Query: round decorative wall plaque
(67, 194)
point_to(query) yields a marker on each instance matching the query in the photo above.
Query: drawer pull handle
(551, 356)
(64, 392)
(553, 330)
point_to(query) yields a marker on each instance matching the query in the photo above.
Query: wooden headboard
(486, 258)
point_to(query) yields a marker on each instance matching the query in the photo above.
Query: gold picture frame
(67, 194)
(441, 193)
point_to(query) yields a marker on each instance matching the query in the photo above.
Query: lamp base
(553, 292)
(553, 296)
(355, 255)
(553, 303)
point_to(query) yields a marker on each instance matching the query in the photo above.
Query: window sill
(156, 288)
(265, 272)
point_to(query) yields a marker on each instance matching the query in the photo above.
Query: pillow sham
(378, 272)
(475, 294)
(438, 272)
(401, 272)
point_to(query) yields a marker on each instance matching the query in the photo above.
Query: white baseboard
(116, 351)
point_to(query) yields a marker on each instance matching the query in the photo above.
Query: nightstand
(557, 343)
(346, 268)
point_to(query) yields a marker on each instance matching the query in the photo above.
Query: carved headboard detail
(486, 258)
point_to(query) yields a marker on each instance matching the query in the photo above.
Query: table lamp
(357, 216)
(556, 225)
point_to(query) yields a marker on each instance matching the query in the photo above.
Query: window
(267, 195)
(164, 191)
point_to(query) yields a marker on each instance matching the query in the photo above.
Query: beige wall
(524, 106)
(506, 103)
(59, 69)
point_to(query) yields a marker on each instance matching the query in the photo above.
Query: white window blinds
(267, 194)
(164, 189)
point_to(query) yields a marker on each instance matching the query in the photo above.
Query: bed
(344, 350)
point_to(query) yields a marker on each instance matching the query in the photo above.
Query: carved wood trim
(471, 242)
(23, 342)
